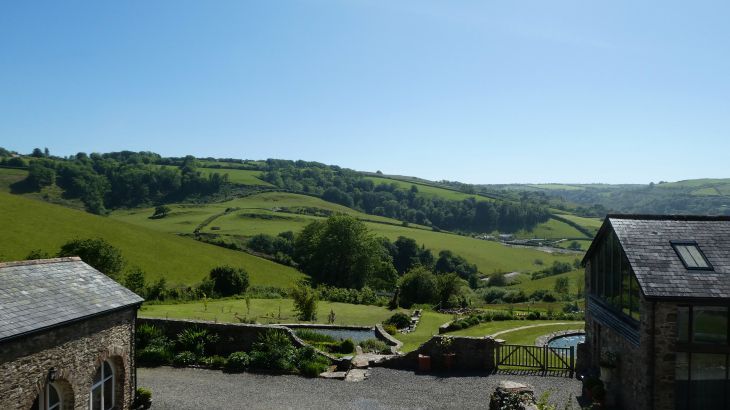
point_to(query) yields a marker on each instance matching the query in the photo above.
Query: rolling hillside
(31, 224)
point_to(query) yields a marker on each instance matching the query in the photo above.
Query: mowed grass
(30, 224)
(238, 176)
(529, 336)
(267, 311)
(490, 328)
(528, 285)
(427, 327)
(552, 229)
(427, 190)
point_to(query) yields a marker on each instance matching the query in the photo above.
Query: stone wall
(233, 337)
(472, 353)
(75, 351)
(645, 375)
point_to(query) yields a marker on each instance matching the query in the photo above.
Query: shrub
(313, 336)
(347, 346)
(375, 346)
(305, 302)
(533, 316)
(183, 359)
(196, 340)
(237, 362)
(399, 320)
(390, 329)
(149, 335)
(228, 281)
(142, 398)
(498, 279)
(310, 363)
(273, 351)
(499, 316)
(215, 362)
(152, 356)
(418, 286)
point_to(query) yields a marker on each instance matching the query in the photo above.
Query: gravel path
(385, 389)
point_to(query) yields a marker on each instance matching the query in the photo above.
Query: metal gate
(544, 358)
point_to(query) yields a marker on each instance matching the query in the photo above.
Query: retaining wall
(472, 353)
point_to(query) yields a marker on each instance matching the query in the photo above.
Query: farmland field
(30, 224)
(237, 176)
(552, 229)
(267, 311)
(427, 190)
(590, 223)
(528, 285)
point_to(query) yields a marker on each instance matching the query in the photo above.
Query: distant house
(658, 292)
(66, 337)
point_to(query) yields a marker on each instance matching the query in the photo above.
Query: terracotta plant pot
(448, 360)
(424, 363)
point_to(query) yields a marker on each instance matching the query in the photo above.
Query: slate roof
(645, 240)
(39, 294)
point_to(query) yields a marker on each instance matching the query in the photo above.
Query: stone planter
(424, 363)
(448, 360)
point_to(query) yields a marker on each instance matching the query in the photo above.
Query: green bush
(183, 359)
(399, 320)
(375, 346)
(214, 362)
(142, 399)
(347, 346)
(274, 351)
(149, 335)
(152, 356)
(310, 363)
(237, 362)
(313, 336)
(390, 329)
(196, 340)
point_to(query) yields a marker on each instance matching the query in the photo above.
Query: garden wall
(472, 353)
(233, 337)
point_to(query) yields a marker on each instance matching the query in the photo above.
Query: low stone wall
(233, 337)
(381, 334)
(472, 353)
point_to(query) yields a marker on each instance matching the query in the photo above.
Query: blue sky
(476, 91)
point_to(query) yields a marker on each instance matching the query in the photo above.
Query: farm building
(658, 292)
(66, 337)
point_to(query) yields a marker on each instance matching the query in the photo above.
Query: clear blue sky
(476, 91)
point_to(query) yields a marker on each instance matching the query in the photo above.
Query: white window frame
(45, 395)
(100, 385)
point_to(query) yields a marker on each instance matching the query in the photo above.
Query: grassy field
(590, 223)
(528, 336)
(9, 176)
(427, 327)
(267, 311)
(528, 285)
(237, 176)
(490, 328)
(427, 190)
(256, 215)
(584, 244)
(552, 229)
(30, 224)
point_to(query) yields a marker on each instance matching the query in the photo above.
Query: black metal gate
(543, 358)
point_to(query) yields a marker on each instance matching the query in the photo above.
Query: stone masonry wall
(75, 351)
(472, 353)
(635, 380)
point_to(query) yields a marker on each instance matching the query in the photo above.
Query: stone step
(333, 375)
(357, 375)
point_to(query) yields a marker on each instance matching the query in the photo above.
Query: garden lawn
(528, 336)
(427, 327)
(489, 328)
(266, 311)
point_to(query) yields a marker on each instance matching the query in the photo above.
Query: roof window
(691, 255)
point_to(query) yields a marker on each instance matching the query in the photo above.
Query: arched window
(48, 399)
(102, 389)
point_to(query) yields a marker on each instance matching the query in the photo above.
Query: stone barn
(658, 292)
(66, 337)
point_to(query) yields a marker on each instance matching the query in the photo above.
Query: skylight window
(691, 255)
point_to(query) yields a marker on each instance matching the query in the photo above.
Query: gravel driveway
(174, 388)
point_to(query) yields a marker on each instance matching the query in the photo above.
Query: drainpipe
(652, 356)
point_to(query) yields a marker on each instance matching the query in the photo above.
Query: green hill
(275, 212)
(30, 224)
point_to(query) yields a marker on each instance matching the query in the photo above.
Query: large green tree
(342, 252)
(97, 252)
